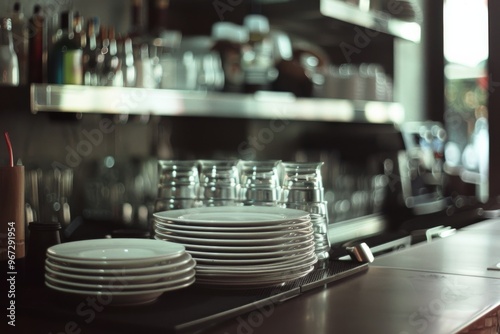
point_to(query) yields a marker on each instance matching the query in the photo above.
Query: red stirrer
(9, 148)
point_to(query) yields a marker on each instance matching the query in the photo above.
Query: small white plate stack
(242, 246)
(119, 271)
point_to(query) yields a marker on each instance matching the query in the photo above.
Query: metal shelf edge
(163, 102)
(377, 21)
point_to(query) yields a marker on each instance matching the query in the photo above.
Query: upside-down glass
(178, 183)
(219, 180)
(303, 190)
(302, 182)
(259, 182)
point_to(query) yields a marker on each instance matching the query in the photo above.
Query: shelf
(377, 21)
(302, 16)
(262, 105)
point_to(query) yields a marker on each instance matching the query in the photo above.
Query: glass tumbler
(219, 182)
(302, 182)
(260, 183)
(303, 190)
(178, 184)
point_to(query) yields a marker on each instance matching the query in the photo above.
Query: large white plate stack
(119, 271)
(249, 246)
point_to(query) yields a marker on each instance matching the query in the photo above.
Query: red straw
(9, 148)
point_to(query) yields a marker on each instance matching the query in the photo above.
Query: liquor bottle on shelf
(111, 74)
(79, 34)
(157, 16)
(92, 58)
(137, 28)
(9, 66)
(20, 41)
(126, 56)
(144, 67)
(65, 63)
(36, 54)
(258, 60)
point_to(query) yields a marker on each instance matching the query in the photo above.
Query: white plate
(305, 242)
(118, 285)
(122, 298)
(236, 235)
(134, 279)
(295, 263)
(116, 250)
(232, 216)
(290, 226)
(258, 275)
(132, 264)
(225, 281)
(60, 266)
(284, 241)
(266, 255)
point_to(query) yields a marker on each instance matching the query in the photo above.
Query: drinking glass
(219, 180)
(178, 184)
(302, 182)
(259, 182)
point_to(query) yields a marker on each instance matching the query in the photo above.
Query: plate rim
(61, 250)
(285, 213)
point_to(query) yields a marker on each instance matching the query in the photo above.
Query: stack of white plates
(242, 246)
(119, 271)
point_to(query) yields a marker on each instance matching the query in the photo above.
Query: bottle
(79, 34)
(9, 66)
(258, 60)
(137, 21)
(126, 56)
(20, 41)
(36, 54)
(66, 56)
(111, 75)
(157, 16)
(144, 67)
(92, 59)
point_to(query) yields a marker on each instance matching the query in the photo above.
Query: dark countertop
(384, 300)
(439, 287)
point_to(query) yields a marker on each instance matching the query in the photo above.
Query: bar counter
(440, 287)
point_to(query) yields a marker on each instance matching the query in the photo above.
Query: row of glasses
(296, 185)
